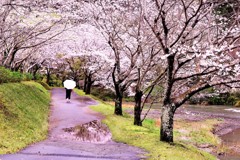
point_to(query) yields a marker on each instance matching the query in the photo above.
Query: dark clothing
(68, 93)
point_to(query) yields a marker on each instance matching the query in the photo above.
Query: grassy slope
(23, 115)
(187, 134)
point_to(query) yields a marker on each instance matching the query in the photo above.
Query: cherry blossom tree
(24, 31)
(116, 20)
(134, 48)
(96, 69)
(86, 53)
(196, 47)
(196, 43)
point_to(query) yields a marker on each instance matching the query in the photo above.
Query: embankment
(24, 109)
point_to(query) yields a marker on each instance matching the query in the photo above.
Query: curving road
(58, 147)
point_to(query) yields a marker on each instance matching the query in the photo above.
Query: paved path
(58, 147)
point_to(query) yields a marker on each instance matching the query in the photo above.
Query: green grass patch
(24, 109)
(80, 92)
(147, 136)
(197, 133)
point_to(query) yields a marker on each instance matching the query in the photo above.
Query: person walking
(68, 94)
(69, 85)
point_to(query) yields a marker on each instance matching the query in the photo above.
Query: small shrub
(230, 100)
(237, 104)
(103, 94)
(15, 77)
(215, 100)
(5, 75)
(27, 76)
(129, 99)
(55, 81)
(38, 77)
(223, 99)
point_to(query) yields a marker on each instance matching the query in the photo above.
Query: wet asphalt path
(59, 147)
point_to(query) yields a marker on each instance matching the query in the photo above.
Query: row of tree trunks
(88, 83)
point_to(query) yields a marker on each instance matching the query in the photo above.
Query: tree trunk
(34, 72)
(85, 84)
(48, 77)
(166, 133)
(118, 99)
(75, 78)
(89, 84)
(168, 109)
(118, 105)
(137, 108)
(88, 88)
(9, 60)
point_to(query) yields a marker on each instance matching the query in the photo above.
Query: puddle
(94, 132)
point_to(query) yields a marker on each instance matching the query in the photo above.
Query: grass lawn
(186, 135)
(24, 109)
